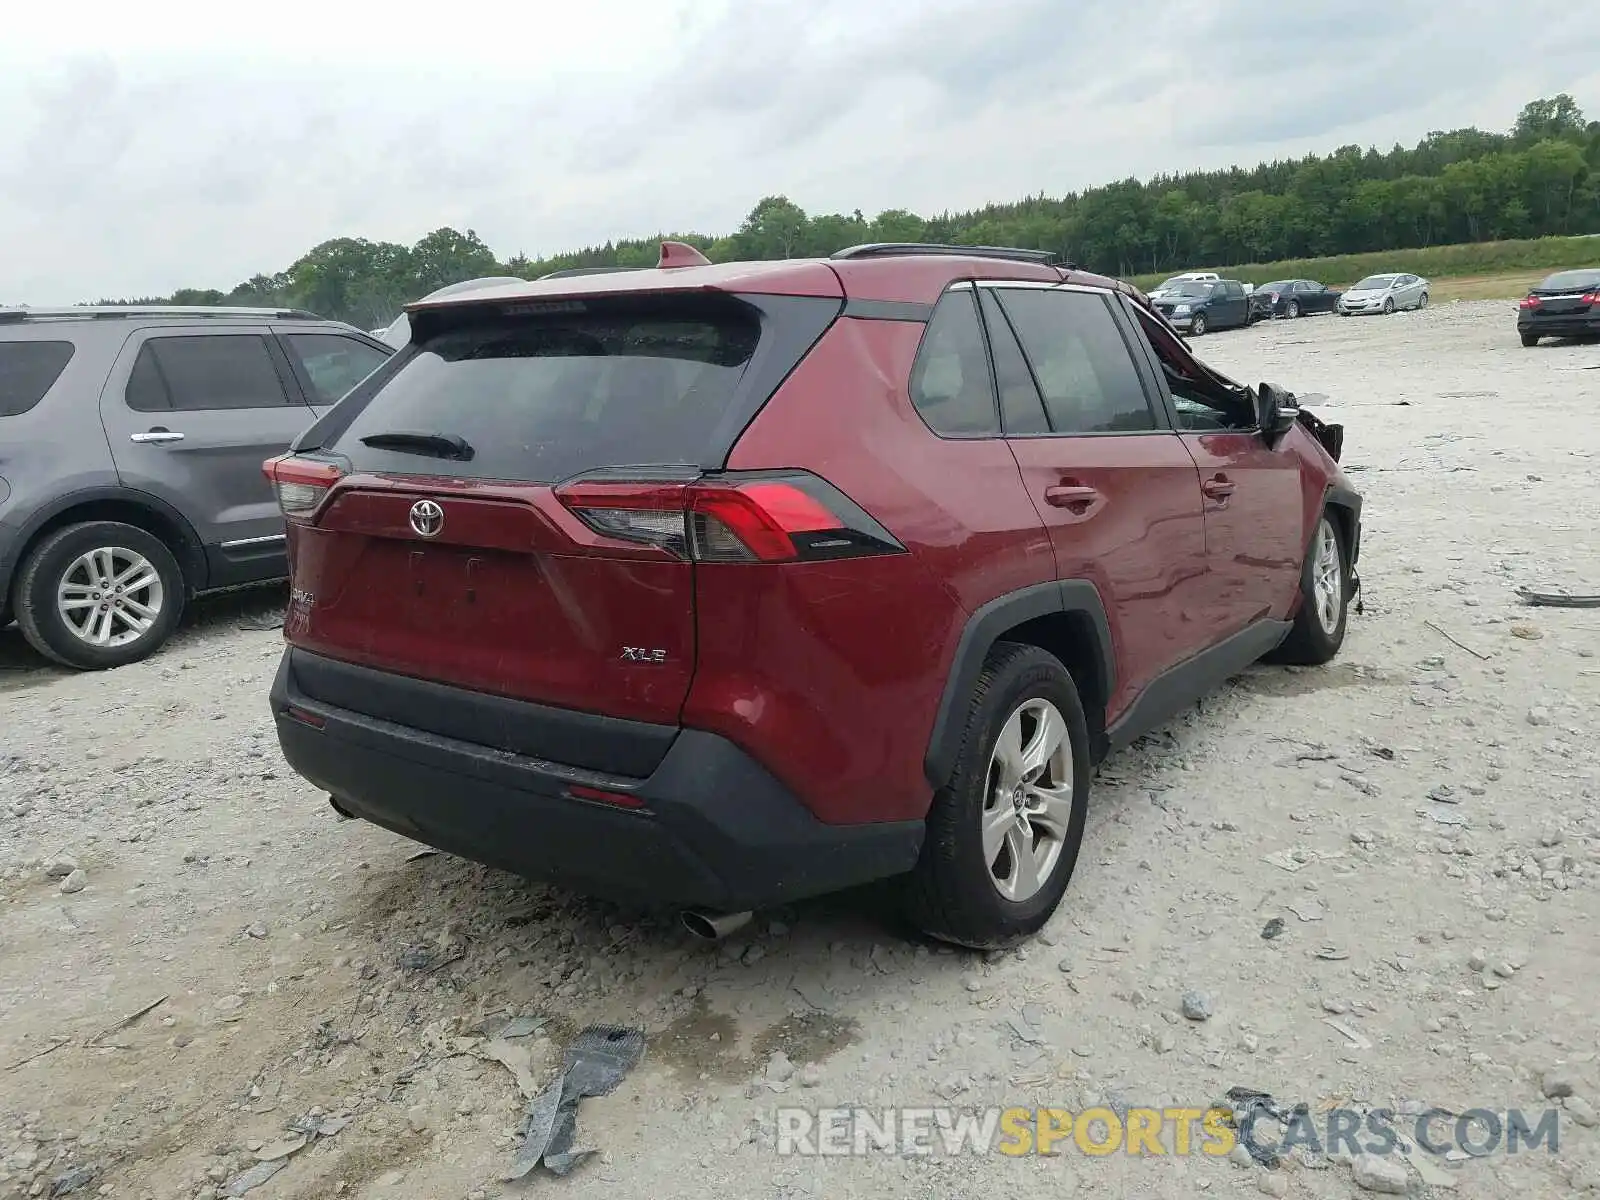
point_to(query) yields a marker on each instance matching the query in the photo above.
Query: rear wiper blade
(440, 445)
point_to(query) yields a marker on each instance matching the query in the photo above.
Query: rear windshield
(27, 370)
(1562, 280)
(540, 398)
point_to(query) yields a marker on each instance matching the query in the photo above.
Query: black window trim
(1158, 404)
(994, 370)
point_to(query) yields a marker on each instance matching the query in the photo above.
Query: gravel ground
(1436, 792)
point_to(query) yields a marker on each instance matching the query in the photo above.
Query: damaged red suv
(720, 586)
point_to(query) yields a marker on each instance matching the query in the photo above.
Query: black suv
(131, 441)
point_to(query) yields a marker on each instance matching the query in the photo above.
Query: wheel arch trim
(190, 555)
(985, 626)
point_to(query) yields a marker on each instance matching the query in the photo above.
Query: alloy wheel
(110, 596)
(1028, 800)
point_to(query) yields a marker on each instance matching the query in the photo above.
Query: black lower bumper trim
(716, 831)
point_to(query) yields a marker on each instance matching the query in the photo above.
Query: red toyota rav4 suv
(717, 586)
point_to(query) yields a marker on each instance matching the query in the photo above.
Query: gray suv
(131, 444)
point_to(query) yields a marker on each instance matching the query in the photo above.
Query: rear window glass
(27, 371)
(544, 397)
(1570, 279)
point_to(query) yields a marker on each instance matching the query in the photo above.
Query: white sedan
(1384, 294)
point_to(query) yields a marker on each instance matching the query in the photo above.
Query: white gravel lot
(1440, 799)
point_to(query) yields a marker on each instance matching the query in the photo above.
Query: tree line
(1541, 177)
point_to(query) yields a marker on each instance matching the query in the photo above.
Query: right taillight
(301, 484)
(791, 517)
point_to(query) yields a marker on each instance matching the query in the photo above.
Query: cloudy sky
(183, 143)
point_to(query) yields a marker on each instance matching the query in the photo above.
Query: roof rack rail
(890, 249)
(573, 272)
(100, 312)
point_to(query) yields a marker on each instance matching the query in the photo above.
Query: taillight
(732, 519)
(1590, 297)
(1530, 302)
(301, 484)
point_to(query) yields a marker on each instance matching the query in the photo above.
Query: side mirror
(1276, 412)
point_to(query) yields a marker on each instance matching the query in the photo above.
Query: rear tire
(1530, 340)
(1319, 626)
(1020, 788)
(99, 594)
(1293, 310)
(1422, 301)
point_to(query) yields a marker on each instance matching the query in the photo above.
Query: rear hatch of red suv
(506, 510)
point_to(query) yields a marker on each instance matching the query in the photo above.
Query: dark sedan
(1567, 304)
(1296, 298)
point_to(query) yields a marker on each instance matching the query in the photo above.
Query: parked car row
(1197, 302)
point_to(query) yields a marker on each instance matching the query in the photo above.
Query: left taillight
(301, 484)
(790, 517)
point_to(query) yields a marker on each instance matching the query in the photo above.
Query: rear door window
(332, 362)
(210, 371)
(1083, 365)
(27, 371)
(568, 388)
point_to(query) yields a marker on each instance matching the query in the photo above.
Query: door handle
(1070, 495)
(1219, 488)
(155, 437)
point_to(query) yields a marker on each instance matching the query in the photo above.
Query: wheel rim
(1028, 800)
(1327, 578)
(1294, 309)
(1198, 325)
(1422, 301)
(1388, 306)
(110, 597)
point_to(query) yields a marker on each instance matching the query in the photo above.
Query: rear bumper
(715, 829)
(1577, 325)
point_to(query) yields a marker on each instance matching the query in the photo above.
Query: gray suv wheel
(100, 594)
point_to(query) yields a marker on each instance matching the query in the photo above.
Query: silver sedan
(1384, 294)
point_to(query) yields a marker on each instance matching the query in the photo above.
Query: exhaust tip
(712, 926)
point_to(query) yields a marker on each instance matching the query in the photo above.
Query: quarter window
(27, 371)
(950, 382)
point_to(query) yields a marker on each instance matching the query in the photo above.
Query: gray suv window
(1081, 361)
(27, 371)
(333, 363)
(213, 371)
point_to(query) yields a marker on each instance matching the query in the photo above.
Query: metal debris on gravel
(595, 1062)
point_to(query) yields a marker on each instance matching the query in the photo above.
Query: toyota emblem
(427, 518)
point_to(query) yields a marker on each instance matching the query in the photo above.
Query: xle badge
(640, 654)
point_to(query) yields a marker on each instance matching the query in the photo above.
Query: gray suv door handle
(155, 435)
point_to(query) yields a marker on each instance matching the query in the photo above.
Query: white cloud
(194, 144)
